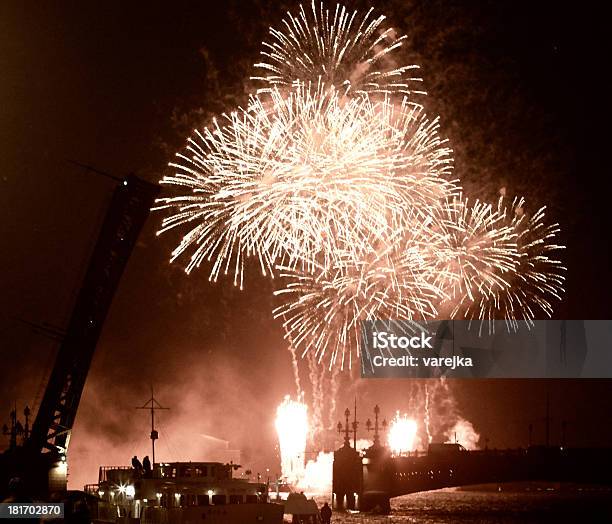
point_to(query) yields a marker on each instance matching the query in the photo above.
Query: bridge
(370, 480)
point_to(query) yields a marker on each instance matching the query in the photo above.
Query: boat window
(186, 471)
(173, 473)
(235, 499)
(203, 500)
(251, 499)
(218, 499)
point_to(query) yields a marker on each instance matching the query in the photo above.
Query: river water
(488, 507)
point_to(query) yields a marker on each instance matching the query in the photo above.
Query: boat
(299, 509)
(181, 493)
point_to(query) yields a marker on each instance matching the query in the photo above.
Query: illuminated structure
(181, 492)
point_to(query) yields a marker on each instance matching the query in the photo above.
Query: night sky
(521, 96)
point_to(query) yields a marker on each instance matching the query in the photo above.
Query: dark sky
(521, 95)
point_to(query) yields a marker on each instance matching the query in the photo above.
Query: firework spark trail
(352, 53)
(427, 415)
(317, 378)
(296, 369)
(446, 415)
(323, 397)
(334, 380)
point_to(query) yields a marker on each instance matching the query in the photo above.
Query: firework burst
(302, 176)
(391, 279)
(351, 52)
(467, 261)
(476, 252)
(335, 178)
(538, 277)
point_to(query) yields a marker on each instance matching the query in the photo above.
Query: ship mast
(152, 405)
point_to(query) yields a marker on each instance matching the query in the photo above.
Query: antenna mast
(355, 423)
(152, 405)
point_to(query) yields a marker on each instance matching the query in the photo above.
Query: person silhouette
(146, 465)
(136, 464)
(326, 513)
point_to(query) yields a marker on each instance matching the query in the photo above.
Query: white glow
(130, 491)
(318, 473)
(402, 434)
(463, 433)
(292, 429)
